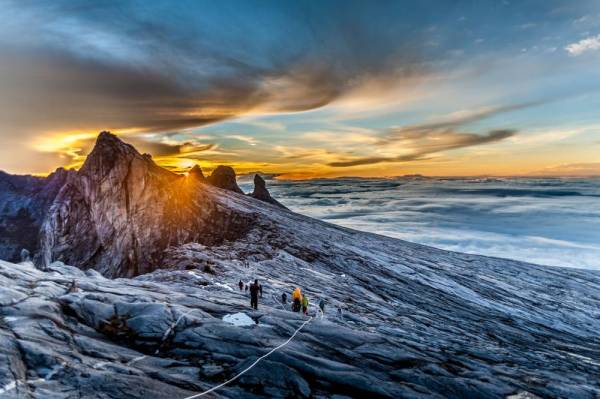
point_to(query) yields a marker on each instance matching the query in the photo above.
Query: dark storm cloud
(57, 90)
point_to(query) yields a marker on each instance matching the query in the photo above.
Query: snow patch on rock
(239, 319)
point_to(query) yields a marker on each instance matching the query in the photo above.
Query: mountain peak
(107, 140)
(121, 211)
(108, 152)
(106, 135)
(196, 172)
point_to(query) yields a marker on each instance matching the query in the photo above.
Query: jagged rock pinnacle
(224, 177)
(261, 193)
(196, 172)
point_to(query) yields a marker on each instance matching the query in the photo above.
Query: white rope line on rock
(253, 364)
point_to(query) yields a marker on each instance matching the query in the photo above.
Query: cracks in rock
(22, 362)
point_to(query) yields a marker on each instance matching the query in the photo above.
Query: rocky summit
(120, 212)
(401, 320)
(261, 193)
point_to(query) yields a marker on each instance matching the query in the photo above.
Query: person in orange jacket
(296, 300)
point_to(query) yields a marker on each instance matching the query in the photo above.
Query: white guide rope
(253, 364)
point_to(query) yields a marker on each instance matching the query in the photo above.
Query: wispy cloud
(345, 137)
(452, 121)
(246, 139)
(591, 43)
(426, 143)
(421, 142)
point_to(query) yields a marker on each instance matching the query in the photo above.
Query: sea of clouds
(545, 221)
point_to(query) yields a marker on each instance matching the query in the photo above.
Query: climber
(254, 290)
(322, 305)
(305, 304)
(284, 298)
(247, 285)
(296, 300)
(72, 287)
(241, 285)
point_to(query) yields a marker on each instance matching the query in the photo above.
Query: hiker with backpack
(255, 288)
(305, 304)
(296, 300)
(322, 305)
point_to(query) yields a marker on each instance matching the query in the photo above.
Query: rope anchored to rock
(253, 364)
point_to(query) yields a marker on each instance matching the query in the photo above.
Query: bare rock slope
(401, 320)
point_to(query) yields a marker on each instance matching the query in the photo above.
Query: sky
(306, 89)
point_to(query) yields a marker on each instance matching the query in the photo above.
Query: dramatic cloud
(591, 43)
(205, 82)
(430, 142)
(168, 67)
(453, 120)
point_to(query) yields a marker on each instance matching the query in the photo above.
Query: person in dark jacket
(284, 298)
(254, 291)
(241, 285)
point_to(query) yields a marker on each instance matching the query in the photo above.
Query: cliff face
(24, 202)
(121, 211)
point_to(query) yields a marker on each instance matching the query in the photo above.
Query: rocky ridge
(120, 212)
